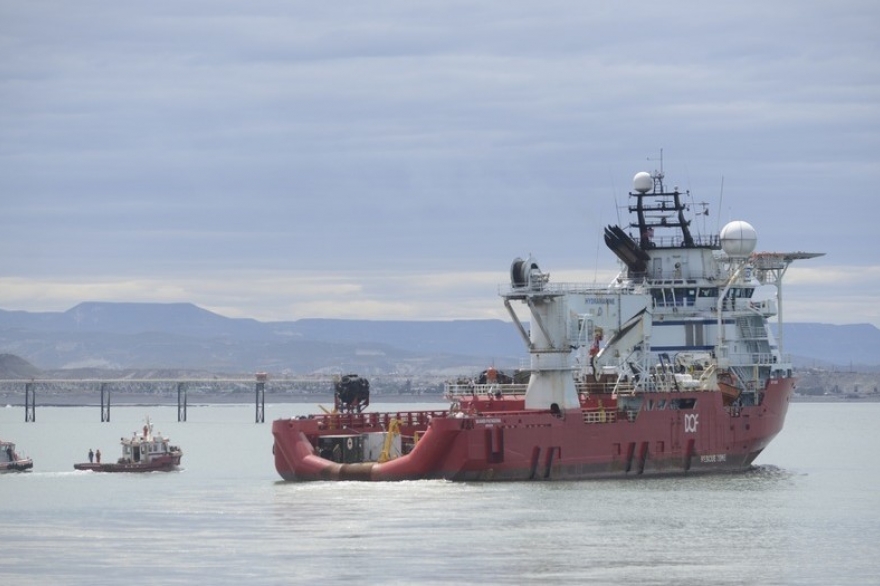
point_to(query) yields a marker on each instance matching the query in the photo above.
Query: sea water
(808, 513)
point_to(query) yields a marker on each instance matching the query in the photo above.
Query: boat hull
(162, 464)
(643, 436)
(17, 466)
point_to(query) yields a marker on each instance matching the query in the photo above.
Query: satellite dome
(643, 182)
(738, 238)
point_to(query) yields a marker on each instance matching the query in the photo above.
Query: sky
(281, 160)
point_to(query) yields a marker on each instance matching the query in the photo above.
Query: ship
(11, 460)
(142, 452)
(672, 368)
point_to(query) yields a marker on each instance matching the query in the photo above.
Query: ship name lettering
(600, 301)
(711, 458)
(690, 422)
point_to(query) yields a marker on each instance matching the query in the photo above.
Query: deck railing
(359, 421)
(592, 416)
(458, 390)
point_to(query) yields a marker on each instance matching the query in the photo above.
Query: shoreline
(248, 398)
(192, 400)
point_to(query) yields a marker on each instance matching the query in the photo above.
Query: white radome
(643, 182)
(738, 238)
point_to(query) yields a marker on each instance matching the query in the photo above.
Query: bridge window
(685, 296)
(740, 292)
(682, 403)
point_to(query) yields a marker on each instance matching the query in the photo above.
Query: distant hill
(184, 319)
(185, 336)
(15, 367)
(853, 345)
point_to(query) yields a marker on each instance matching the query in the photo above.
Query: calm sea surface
(808, 514)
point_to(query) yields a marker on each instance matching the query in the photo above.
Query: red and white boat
(144, 452)
(11, 460)
(672, 368)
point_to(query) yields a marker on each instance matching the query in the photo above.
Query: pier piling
(105, 403)
(30, 403)
(260, 398)
(181, 402)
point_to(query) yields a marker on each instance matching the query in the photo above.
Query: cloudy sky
(388, 160)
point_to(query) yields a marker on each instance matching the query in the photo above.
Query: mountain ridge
(184, 335)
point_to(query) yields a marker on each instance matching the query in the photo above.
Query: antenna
(720, 205)
(658, 176)
(661, 161)
(599, 233)
(614, 193)
(701, 208)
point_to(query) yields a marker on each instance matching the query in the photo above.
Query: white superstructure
(685, 312)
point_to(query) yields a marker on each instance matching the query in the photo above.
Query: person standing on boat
(92, 456)
(98, 456)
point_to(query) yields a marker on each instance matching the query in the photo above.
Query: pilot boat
(142, 452)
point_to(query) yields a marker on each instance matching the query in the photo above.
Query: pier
(152, 389)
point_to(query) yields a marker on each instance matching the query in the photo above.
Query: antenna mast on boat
(658, 175)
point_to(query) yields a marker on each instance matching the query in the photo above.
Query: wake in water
(37, 474)
(769, 476)
(770, 471)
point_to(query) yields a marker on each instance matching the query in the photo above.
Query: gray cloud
(153, 142)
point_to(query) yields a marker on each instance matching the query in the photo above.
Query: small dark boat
(11, 460)
(147, 452)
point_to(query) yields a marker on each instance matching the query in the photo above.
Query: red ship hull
(157, 464)
(647, 434)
